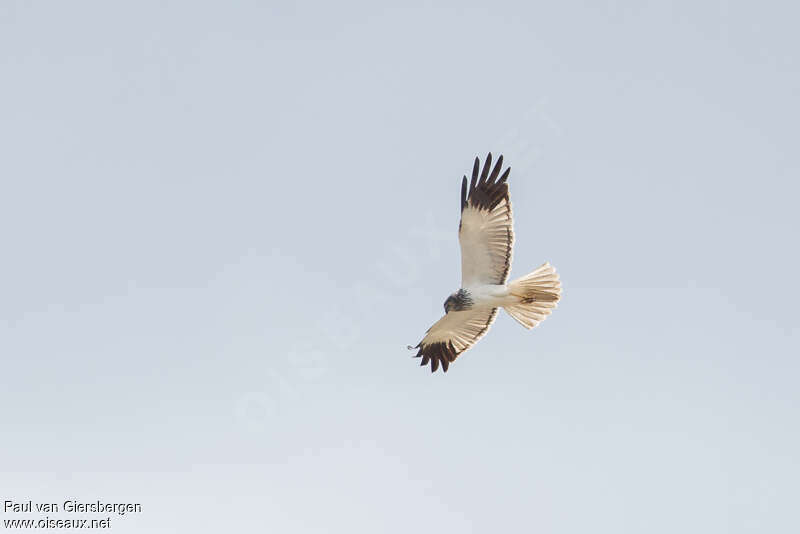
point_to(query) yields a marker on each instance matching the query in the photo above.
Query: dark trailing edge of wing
(486, 191)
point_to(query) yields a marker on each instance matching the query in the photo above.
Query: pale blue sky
(223, 223)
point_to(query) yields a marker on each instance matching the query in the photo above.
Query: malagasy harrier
(487, 238)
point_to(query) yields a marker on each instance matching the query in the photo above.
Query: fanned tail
(538, 293)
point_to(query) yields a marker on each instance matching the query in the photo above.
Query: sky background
(222, 223)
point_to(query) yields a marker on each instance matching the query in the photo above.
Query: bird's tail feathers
(537, 294)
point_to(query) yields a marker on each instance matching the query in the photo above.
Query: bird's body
(486, 236)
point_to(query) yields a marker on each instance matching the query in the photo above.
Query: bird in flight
(487, 238)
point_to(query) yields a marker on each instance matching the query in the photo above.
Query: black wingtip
(464, 193)
(474, 181)
(486, 165)
(496, 171)
(486, 190)
(504, 177)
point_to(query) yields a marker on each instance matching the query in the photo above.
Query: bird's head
(449, 303)
(459, 301)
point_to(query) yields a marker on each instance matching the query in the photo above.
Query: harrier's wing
(453, 334)
(485, 231)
